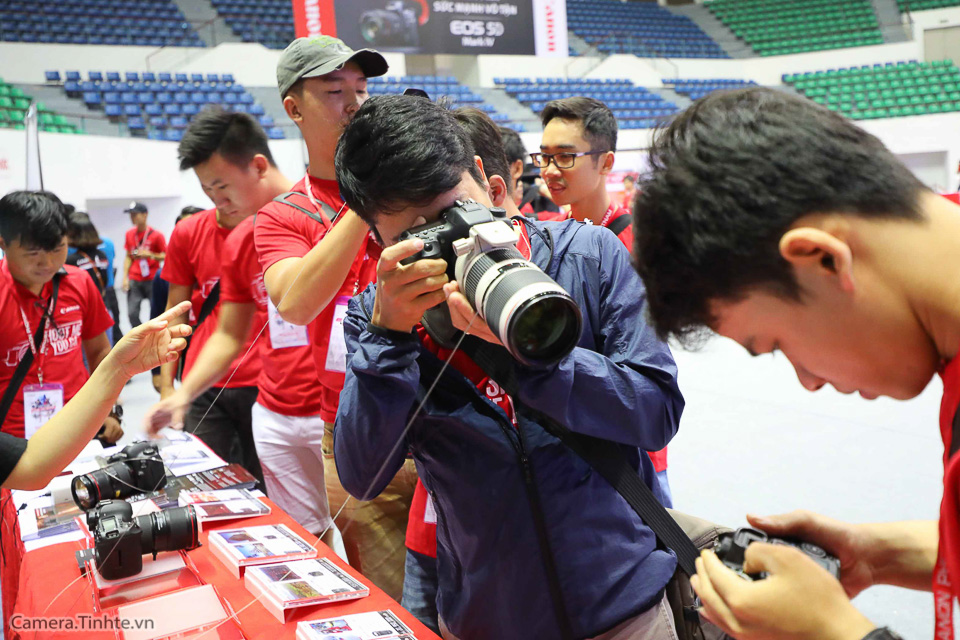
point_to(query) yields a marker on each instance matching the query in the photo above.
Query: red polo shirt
(281, 231)
(194, 260)
(288, 379)
(79, 315)
(150, 240)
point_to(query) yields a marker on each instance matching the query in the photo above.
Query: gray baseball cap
(320, 55)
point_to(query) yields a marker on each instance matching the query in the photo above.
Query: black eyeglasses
(563, 160)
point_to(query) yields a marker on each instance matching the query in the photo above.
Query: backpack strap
(619, 225)
(327, 210)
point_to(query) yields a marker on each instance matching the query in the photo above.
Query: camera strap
(209, 304)
(332, 215)
(619, 225)
(607, 458)
(27, 360)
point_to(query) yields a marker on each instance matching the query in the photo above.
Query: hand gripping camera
(535, 319)
(138, 468)
(731, 548)
(120, 540)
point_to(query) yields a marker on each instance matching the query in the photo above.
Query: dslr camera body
(731, 548)
(138, 468)
(120, 540)
(393, 26)
(535, 319)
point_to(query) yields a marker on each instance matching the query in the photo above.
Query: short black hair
(186, 212)
(629, 177)
(235, 136)
(35, 219)
(401, 151)
(598, 122)
(728, 177)
(513, 146)
(81, 232)
(487, 143)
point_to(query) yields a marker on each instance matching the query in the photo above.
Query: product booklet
(373, 625)
(226, 504)
(267, 544)
(288, 585)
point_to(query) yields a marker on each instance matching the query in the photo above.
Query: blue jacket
(619, 384)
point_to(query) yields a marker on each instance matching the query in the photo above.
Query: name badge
(40, 402)
(144, 267)
(283, 334)
(337, 346)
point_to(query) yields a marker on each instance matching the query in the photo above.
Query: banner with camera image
(470, 27)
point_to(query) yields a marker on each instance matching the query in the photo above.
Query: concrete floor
(753, 440)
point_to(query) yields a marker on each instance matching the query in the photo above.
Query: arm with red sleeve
(178, 271)
(302, 279)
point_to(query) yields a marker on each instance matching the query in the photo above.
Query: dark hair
(487, 143)
(35, 219)
(186, 212)
(598, 122)
(401, 151)
(235, 136)
(81, 233)
(513, 146)
(629, 177)
(728, 178)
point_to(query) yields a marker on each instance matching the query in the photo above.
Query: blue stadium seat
(113, 111)
(227, 77)
(172, 109)
(148, 76)
(159, 122)
(92, 99)
(196, 77)
(173, 135)
(213, 77)
(257, 110)
(266, 121)
(52, 76)
(131, 110)
(191, 109)
(153, 109)
(113, 76)
(165, 78)
(136, 125)
(275, 133)
(182, 78)
(132, 76)
(178, 122)
(73, 76)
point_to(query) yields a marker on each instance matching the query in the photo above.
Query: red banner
(314, 18)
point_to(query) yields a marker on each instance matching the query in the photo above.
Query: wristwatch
(117, 412)
(882, 633)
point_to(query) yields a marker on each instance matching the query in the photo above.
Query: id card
(283, 334)
(337, 346)
(144, 267)
(40, 402)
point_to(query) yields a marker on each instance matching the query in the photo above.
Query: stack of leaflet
(290, 585)
(249, 546)
(373, 625)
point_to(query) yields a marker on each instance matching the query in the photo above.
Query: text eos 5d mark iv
(535, 319)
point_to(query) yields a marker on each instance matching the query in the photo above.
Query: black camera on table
(137, 468)
(535, 319)
(393, 26)
(120, 541)
(731, 548)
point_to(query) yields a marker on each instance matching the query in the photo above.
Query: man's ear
(516, 170)
(483, 174)
(607, 166)
(260, 164)
(498, 191)
(292, 108)
(815, 251)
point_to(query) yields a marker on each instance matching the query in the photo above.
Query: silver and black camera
(138, 468)
(535, 319)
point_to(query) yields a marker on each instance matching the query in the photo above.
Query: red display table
(50, 586)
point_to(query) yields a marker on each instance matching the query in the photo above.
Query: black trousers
(225, 425)
(113, 306)
(139, 292)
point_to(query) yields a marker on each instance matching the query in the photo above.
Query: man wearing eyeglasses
(576, 155)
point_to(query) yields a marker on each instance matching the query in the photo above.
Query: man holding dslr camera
(821, 245)
(531, 542)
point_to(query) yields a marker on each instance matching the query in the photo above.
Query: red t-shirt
(288, 379)
(950, 504)
(79, 315)
(193, 260)
(281, 231)
(150, 240)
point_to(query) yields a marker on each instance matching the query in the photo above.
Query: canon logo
(551, 27)
(312, 10)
